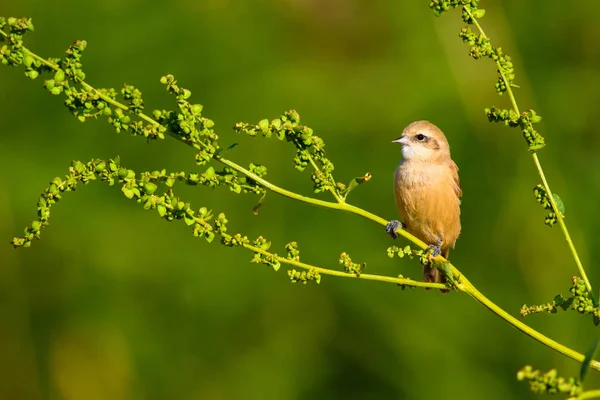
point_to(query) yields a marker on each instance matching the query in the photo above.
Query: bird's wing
(454, 171)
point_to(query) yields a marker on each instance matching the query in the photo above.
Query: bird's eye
(420, 137)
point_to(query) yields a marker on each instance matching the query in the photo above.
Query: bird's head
(423, 141)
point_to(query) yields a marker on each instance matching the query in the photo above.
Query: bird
(427, 193)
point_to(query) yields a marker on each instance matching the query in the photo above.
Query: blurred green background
(114, 303)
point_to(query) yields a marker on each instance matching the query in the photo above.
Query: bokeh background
(114, 303)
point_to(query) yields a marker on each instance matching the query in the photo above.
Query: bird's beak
(402, 140)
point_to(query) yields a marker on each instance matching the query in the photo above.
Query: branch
(470, 11)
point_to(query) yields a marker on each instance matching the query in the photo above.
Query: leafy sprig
(549, 382)
(580, 300)
(482, 47)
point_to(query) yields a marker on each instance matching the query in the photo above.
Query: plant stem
(539, 168)
(466, 286)
(331, 189)
(562, 224)
(332, 272)
(590, 394)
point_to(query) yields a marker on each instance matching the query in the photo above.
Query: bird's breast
(427, 201)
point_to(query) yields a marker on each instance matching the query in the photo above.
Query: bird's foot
(392, 228)
(435, 249)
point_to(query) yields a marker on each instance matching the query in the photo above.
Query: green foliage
(310, 149)
(541, 196)
(549, 382)
(440, 6)
(580, 300)
(304, 276)
(345, 190)
(351, 267)
(407, 251)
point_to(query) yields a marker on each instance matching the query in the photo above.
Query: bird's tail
(431, 273)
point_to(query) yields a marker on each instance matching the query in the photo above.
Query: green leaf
(150, 187)
(209, 235)
(559, 203)
(445, 268)
(127, 192)
(359, 180)
(210, 172)
(259, 204)
(222, 151)
(276, 265)
(589, 356)
(479, 13)
(263, 124)
(162, 210)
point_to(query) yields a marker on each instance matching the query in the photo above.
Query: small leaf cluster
(541, 196)
(262, 255)
(425, 256)
(304, 276)
(580, 300)
(293, 253)
(440, 6)
(409, 252)
(525, 122)
(481, 47)
(188, 124)
(310, 149)
(351, 267)
(549, 382)
(11, 37)
(226, 239)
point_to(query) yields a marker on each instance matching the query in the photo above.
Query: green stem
(326, 271)
(466, 286)
(540, 170)
(331, 189)
(562, 224)
(590, 394)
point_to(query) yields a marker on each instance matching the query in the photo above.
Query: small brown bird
(427, 192)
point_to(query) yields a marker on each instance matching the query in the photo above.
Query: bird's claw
(392, 228)
(436, 249)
